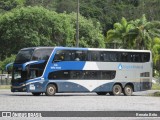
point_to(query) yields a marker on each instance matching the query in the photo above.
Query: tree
(149, 8)
(7, 61)
(25, 26)
(90, 33)
(156, 53)
(32, 26)
(144, 32)
(37, 26)
(136, 34)
(48, 4)
(67, 6)
(108, 12)
(7, 5)
(121, 34)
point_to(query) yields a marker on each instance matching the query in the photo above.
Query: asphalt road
(140, 101)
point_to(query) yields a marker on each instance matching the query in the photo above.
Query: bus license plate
(32, 87)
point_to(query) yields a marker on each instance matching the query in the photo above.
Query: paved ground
(140, 101)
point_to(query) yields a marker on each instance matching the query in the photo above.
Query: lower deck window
(83, 74)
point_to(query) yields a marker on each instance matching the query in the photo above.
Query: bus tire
(101, 93)
(51, 90)
(117, 90)
(128, 90)
(36, 93)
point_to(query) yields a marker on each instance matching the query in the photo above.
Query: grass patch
(156, 94)
(5, 86)
(156, 86)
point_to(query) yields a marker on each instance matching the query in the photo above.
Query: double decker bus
(64, 69)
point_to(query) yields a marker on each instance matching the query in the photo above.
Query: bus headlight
(24, 89)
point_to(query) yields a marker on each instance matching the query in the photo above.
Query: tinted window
(108, 75)
(42, 54)
(82, 74)
(124, 57)
(135, 57)
(94, 56)
(113, 57)
(77, 74)
(109, 56)
(80, 55)
(24, 56)
(64, 55)
(145, 57)
(70, 55)
(145, 74)
(103, 56)
(60, 75)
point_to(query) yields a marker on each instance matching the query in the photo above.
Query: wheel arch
(118, 83)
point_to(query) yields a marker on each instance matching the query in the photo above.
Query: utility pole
(77, 25)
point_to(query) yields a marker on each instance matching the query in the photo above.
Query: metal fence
(5, 79)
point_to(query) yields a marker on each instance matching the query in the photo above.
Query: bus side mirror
(8, 66)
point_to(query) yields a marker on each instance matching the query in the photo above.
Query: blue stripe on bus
(70, 87)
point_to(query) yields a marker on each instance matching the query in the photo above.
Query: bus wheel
(117, 90)
(51, 90)
(128, 90)
(101, 93)
(36, 93)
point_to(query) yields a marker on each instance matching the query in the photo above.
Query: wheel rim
(117, 90)
(128, 91)
(51, 90)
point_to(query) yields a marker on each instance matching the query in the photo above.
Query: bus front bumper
(21, 88)
(28, 87)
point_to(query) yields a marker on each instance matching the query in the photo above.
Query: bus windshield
(24, 56)
(19, 76)
(33, 70)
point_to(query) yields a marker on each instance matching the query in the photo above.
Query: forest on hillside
(129, 24)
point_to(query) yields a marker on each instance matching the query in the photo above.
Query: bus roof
(103, 49)
(80, 48)
(37, 48)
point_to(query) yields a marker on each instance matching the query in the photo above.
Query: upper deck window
(101, 56)
(70, 55)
